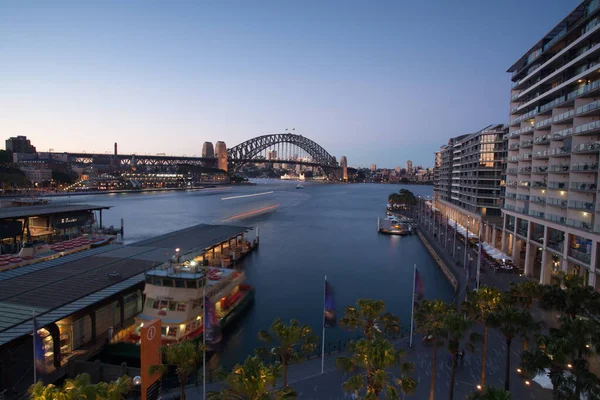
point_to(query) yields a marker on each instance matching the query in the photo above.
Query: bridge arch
(248, 150)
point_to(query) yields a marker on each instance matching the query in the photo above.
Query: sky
(380, 82)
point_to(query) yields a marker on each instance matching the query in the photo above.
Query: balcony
(509, 207)
(559, 169)
(526, 143)
(557, 185)
(582, 205)
(523, 197)
(541, 139)
(584, 167)
(544, 124)
(524, 117)
(587, 148)
(511, 183)
(559, 135)
(524, 184)
(524, 157)
(563, 116)
(514, 146)
(556, 246)
(511, 171)
(525, 170)
(513, 159)
(538, 200)
(555, 218)
(553, 103)
(539, 185)
(540, 170)
(551, 201)
(591, 127)
(511, 196)
(560, 151)
(583, 186)
(588, 107)
(541, 154)
(580, 255)
(537, 214)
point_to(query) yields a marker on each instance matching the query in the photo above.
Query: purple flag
(329, 308)
(40, 353)
(211, 328)
(419, 291)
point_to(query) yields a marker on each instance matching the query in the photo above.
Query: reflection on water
(304, 234)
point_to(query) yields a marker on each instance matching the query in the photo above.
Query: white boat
(299, 186)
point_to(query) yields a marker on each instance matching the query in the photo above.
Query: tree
(288, 337)
(370, 317)
(81, 388)
(375, 356)
(430, 318)
(253, 380)
(455, 328)
(481, 303)
(184, 356)
(490, 393)
(39, 391)
(523, 294)
(511, 322)
(570, 297)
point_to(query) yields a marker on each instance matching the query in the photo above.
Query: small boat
(299, 186)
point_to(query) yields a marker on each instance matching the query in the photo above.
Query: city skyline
(163, 79)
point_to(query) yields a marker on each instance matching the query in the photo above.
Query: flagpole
(323, 340)
(34, 350)
(479, 258)
(412, 312)
(204, 344)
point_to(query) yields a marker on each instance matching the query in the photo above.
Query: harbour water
(304, 234)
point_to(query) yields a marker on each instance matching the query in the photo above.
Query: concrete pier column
(564, 264)
(593, 264)
(546, 270)
(530, 252)
(516, 251)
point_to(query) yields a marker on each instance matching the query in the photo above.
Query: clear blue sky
(378, 81)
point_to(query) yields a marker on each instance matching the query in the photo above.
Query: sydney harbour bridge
(281, 148)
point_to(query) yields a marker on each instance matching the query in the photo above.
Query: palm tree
(184, 356)
(39, 391)
(81, 388)
(289, 338)
(524, 293)
(430, 318)
(511, 322)
(571, 297)
(481, 303)
(253, 380)
(490, 393)
(115, 390)
(370, 317)
(455, 330)
(375, 356)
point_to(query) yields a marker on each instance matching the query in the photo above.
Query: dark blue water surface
(321, 229)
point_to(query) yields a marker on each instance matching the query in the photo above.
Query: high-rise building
(551, 216)
(467, 180)
(19, 144)
(373, 167)
(409, 168)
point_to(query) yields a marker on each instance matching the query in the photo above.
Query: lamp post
(466, 243)
(137, 382)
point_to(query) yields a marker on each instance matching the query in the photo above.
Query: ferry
(175, 293)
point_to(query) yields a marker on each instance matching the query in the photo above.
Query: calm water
(322, 229)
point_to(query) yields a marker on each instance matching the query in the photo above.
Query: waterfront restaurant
(76, 320)
(46, 222)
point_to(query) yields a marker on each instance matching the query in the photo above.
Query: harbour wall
(445, 269)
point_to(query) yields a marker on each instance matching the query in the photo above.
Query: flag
(40, 353)
(211, 324)
(329, 307)
(419, 292)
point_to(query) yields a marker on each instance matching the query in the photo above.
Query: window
(179, 283)
(150, 303)
(172, 305)
(181, 306)
(190, 284)
(156, 281)
(167, 282)
(172, 331)
(163, 331)
(164, 305)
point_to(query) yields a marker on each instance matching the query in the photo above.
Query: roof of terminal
(58, 288)
(46, 209)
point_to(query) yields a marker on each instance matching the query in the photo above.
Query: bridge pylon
(221, 154)
(344, 166)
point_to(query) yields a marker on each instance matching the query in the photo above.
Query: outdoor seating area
(496, 260)
(461, 229)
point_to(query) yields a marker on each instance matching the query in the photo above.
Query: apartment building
(551, 209)
(468, 181)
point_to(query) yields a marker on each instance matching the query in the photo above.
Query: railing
(558, 246)
(538, 214)
(551, 104)
(526, 156)
(525, 170)
(541, 154)
(583, 186)
(559, 135)
(556, 202)
(588, 107)
(511, 183)
(543, 123)
(523, 197)
(584, 167)
(538, 200)
(559, 168)
(524, 183)
(557, 185)
(555, 218)
(563, 116)
(514, 146)
(541, 139)
(559, 151)
(511, 171)
(539, 185)
(509, 207)
(582, 205)
(586, 147)
(523, 117)
(580, 255)
(540, 170)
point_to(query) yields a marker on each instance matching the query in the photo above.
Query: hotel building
(551, 212)
(468, 177)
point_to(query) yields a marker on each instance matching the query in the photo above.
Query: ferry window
(148, 279)
(155, 304)
(168, 282)
(172, 305)
(188, 328)
(156, 281)
(163, 330)
(164, 304)
(190, 284)
(179, 283)
(181, 306)
(201, 282)
(173, 331)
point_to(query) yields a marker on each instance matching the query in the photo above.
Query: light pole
(466, 243)
(454, 246)
(137, 382)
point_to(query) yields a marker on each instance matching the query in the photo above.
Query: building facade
(19, 144)
(551, 214)
(468, 178)
(409, 168)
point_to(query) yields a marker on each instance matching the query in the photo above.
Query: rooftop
(58, 288)
(46, 209)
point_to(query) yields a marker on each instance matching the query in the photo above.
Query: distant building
(398, 170)
(20, 144)
(37, 175)
(409, 168)
(373, 167)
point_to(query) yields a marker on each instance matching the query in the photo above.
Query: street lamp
(137, 382)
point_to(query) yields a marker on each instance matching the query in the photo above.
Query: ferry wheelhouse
(174, 293)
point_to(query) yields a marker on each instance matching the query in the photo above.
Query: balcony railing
(558, 151)
(583, 186)
(541, 139)
(558, 246)
(509, 207)
(511, 183)
(556, 202)
(514, 146)
(559, 168)
(541, 154)
(543, 123)
(586, 147)
(527, 143)
(584, 167)
(540, 170)
(563, 116)
(537, 214)
(557, 185)
(559, 135)
(524, 183)
(524, 197)
(539, 185)
(511, 195)
(555, 218)
(525, 170)
(580, 255)
(553, 103)
(582, 205)
(524, 117)
(538, 200)
(588, 107)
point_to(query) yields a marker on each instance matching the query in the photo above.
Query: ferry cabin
(175, 295)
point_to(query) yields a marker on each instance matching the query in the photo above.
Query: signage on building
(71, 221)
(150, 335)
